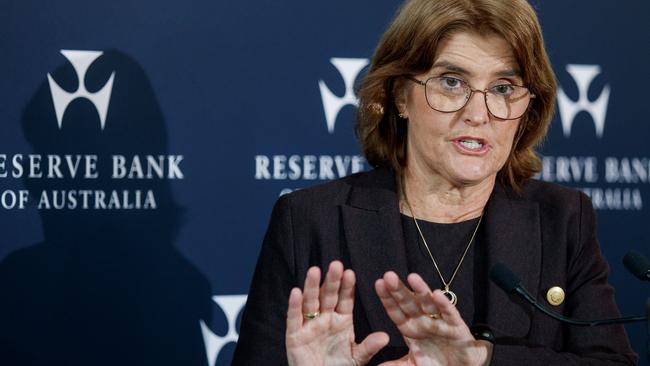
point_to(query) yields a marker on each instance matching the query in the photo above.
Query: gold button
(555, 295)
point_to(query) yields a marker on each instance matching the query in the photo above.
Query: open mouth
(471, 145)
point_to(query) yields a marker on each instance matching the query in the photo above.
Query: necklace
(446, 284)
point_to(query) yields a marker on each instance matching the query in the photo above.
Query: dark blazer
(546, 235)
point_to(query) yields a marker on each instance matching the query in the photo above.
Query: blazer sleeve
(262, 331)
(591, 298)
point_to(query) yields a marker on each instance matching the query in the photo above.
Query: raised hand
(320, 330)
(431, 325)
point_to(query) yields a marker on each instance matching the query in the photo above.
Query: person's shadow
(106, 286)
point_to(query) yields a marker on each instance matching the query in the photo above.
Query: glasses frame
(471, 92)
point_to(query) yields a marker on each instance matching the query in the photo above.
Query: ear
(399, 96)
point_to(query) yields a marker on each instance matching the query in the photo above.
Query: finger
(329, 292)
(362, 353)
(422, 294)
(417, 283)
(402, 295)
(294, 313)
(434, 302)
(393, 310)
(310, 302)
(446, 320)
(447, 310)
(425, 302)
(346, 293)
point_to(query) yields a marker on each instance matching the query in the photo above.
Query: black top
(447, 243)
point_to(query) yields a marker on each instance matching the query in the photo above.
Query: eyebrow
(455, 68)
(449, 66)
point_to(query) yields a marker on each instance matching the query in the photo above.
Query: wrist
(485, 352)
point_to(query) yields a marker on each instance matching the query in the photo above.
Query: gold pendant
(451, 296)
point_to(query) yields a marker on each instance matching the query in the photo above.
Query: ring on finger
(310, 316)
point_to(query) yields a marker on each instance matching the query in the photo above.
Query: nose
(475, 111)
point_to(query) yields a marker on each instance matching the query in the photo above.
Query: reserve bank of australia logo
(583, 75)
(349, 68)
(231, 306)
(81, 61)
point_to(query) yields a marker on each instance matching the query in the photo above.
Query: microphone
(503, 277)
(639, 265)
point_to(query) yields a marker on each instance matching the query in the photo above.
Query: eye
(503, 90)
(448, 82)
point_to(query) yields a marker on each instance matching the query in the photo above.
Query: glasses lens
(507, 101)
(446, 94)
(449, 94)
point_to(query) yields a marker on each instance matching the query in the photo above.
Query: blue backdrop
(143, 144)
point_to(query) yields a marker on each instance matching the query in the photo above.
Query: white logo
(81, 60)
(349, 68)
(583, 76)
(231, 306)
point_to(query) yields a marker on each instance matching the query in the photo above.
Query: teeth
(471, 144)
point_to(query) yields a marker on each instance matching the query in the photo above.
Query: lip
(467, 151)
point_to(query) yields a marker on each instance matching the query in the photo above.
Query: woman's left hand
(431, 325)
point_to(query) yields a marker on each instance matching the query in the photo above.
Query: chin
(465, 179)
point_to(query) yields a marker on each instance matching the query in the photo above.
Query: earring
(401, 115)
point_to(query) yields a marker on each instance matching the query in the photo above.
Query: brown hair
(409, 46)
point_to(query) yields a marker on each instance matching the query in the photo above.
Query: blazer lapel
(373, 232)
(513, 237)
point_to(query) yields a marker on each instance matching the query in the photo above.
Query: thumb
(363, 352)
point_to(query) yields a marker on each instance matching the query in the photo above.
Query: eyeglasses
(449, 94)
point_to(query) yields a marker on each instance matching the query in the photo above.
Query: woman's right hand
(320, 330)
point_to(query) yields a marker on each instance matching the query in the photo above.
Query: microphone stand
(507, 281)
(583, 323)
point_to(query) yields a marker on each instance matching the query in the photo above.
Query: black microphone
(503, 277)
(639, 265)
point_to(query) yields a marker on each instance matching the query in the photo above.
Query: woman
(458, 95)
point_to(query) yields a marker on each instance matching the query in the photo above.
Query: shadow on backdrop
(105, 287)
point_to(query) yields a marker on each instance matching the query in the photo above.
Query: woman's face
(468, 146)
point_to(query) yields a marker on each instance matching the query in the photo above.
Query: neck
(435, 199)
